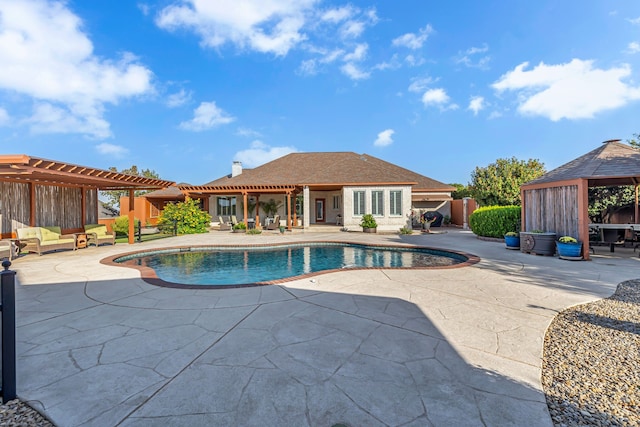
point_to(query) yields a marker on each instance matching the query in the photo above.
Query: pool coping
(149, 275)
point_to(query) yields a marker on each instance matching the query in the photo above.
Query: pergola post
(32, 204)
(245, 201)
(583, 216)
(131, 215)
(258, 211)
(289, 211)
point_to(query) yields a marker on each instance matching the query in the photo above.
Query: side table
(81, 240)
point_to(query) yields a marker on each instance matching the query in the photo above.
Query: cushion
(99, 231)
(29, 233)
(48, 236)
(55, 242)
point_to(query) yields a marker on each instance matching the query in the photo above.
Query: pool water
(240, 266)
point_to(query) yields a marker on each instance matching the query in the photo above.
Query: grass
(144, 238)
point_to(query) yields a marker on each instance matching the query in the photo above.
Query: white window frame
(395, 203)
(377, 202)
(358, 202)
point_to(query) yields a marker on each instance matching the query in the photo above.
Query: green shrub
(240, 226)
(368, 221)
(121, 225)
(187, 216)
(405, 230)
(495, 221)
(254, 231)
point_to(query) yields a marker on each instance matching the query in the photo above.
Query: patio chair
(98, 234)
(8, 249)
(224, 226)
(275, 224)
(234, 220)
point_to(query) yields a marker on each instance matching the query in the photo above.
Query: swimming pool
(202, 266)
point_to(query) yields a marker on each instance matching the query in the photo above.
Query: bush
(254, 231)
(495, 221)
(121, 225)
(240, 226)
(187, 216)
(405, 230)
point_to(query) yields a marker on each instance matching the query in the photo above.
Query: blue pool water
(250, 265)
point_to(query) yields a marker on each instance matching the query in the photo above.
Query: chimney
(236, 168)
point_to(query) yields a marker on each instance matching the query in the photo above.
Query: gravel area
(590, 368)
(591, 362)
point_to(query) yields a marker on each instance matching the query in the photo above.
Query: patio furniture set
(47, 239)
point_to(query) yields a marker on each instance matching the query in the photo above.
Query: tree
(499, 183)
(461, 192)
(113, 197)
(187, 217)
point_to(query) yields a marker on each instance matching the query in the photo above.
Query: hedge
(495, 221)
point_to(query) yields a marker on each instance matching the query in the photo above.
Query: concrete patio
(97, 346)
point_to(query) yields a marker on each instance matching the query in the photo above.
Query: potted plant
(368, 223)
(569, 248)
(240, 227)
(282, 228)
(512, 240)
(538, 242)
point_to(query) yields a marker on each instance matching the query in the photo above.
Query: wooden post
(258, 212)
(131, 215)
(32, 204)
(583, 216)
(245, 201)
(289, 211)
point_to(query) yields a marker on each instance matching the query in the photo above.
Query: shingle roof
(171, 192)
(609, 163)
(330, 168)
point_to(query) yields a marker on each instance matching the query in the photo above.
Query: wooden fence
(553, 209)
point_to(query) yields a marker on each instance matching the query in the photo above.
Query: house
(147, 207)
(337, 188)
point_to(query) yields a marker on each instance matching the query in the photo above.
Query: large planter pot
(538, 243)
(570, 251)
(512, 242)
(369, 230)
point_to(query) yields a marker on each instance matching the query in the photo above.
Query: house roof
(325, 170)
(613, 163)
(23, 168)
(173, 192)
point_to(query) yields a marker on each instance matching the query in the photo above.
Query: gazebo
(40, 192)
(558, 201)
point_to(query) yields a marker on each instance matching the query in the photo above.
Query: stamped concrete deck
(97, 346)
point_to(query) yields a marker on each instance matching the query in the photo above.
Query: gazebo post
(131, 216)
(245, 201)
(583, 216)
(288, 210)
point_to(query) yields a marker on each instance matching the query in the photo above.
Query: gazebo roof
(613, 163)
(23, 168)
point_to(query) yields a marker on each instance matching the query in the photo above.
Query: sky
(186, 87)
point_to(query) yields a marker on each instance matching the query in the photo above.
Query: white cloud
(421, 84)
(207, 116)
(438, 97)
(393, 64)
(354, 72)
(476, 104)
(178, 99)
(473, 57)
(413, 61)
(4, 117)
(574, 90)
(273, 26)
(248, 133)
(46, 56)
(260, 153)
(358, 54)
(633, 47)
(111, 150)
(352, 29)
(338, 15)
(635, 21)
(384, 138)
(413, 41)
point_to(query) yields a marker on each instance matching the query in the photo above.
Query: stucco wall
(385, 222)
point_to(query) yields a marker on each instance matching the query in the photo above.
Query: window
(395, 199)
(226, 205)
(377, 200)
(154, 210)
(358, 202)
(336, 202)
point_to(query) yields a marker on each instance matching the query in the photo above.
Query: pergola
(35, 191)
(559, 200)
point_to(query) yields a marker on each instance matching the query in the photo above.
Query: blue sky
(184, 87)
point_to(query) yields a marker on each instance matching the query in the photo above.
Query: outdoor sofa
(41, 239)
